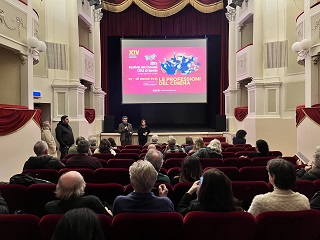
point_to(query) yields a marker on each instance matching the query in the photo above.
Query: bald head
(70, 185)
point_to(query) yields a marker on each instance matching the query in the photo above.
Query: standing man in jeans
(64, 136)
(125, 130)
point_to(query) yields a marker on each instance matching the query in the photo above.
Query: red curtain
(90, 114)
(134, 22)
(13, 118)
(313, 113)
(240, 113)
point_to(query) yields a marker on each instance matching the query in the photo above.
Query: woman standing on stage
(143, 132)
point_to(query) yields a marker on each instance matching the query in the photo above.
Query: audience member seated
(172, 146)
(262, 149)
(3, 206)
(188, 145)
(82, 160)
(214, 195)
(79, 224)
(240, 137)
(155, 157)
(213, 150)
(154, 140)
(93, 142)
(143, 177)
(113, 143)
(42, 160)
(105, 147)
(198, 143)
(310, 172)
(73, 149)
(70, 191)
(282, 176)
(191, 170)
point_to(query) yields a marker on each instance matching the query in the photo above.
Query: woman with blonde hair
(47, 136)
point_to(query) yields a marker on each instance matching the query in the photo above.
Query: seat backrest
(228, 154)
(172, 162)
(133, 147)
(174, 155)
(211, 162)
(131, 150)
(260, 161)
(46, 174)
(104, 156)
(231, 172)
(293, 160)
(245, 145)
(70, 155)
(37, 196)
(305, 187)
(275, 154)
(87, 174)
(172, 172)
(245, 191)
(106, 192)
(104, 163)
(243, 153)
(120, 163)
(179, 190)
(15, 195)
(279, 225)
(134, 156)
(48, 224)
(234, 149)
(156, 226)
(112, 175)
(253, 173)
(236, 162)
(316, 185)
(19, 226)
(218, 225)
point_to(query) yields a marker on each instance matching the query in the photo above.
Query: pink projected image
(164, 70)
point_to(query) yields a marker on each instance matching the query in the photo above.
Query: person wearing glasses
(310, 172)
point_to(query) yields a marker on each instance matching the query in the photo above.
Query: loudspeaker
(221, 123)
(108, 124)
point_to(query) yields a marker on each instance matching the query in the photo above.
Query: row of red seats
(32, 199)
(136, 156)
(276, 225)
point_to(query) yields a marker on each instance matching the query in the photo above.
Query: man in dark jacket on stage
(42, 160)
(64, 136)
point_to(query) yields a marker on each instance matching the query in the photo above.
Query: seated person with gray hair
(155, 157)
(154, 140)
(173, 147)
(73, 149)
(310, 172)
(43, 160)
(213, 150)
(82, 160)
(143, 177)
(70, 191)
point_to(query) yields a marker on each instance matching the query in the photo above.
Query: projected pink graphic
(164, 70)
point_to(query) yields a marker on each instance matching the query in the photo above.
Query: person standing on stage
(125, 130)
(64, 136)
(143, 132)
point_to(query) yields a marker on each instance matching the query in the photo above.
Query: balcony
(86, 64)
(244, 62)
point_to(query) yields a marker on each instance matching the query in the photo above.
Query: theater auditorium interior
(198, 68)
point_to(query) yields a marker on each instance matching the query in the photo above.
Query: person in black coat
(42, 160)
(143, 132)
(64, 136)
(310, 172)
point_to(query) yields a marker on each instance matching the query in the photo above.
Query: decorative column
(231, 92)
(258, 41)
(98, 94)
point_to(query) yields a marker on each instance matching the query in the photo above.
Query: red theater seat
(120, 163)
(155, 226)
(15, 196)
(254, 173)
(260, 161)
(172, 162)
(133, 147)
(174, 155)
(87, 174)
(211, 162)
(219, 225)
(134, 156)
(236, 162)
(46, 174)
(129, 150)
(279, 225)
(112, 175)
(104, 156)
